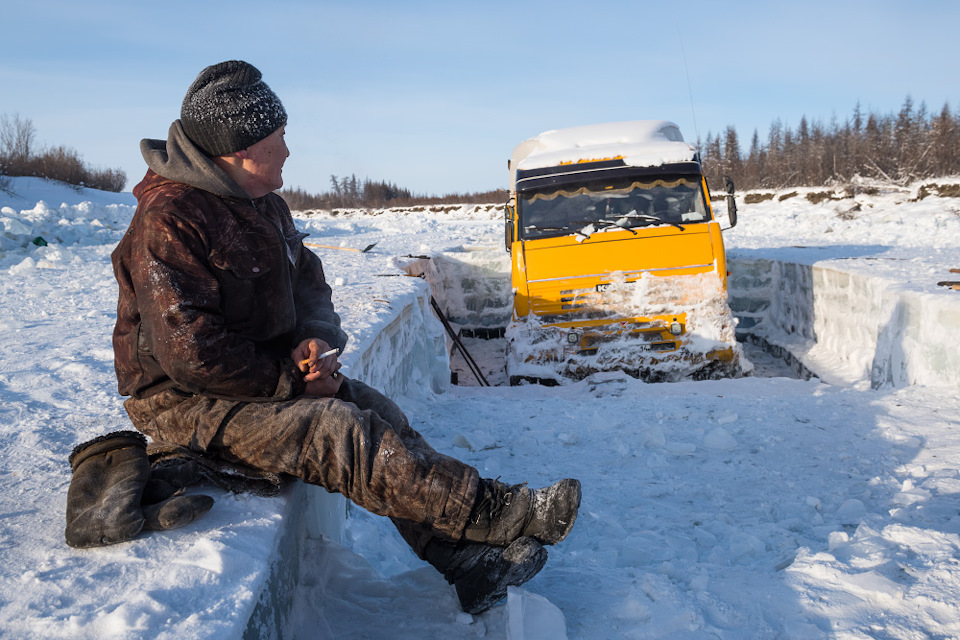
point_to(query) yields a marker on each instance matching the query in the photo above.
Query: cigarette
(323, 355)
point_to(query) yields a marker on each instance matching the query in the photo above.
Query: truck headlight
(676, 328)
(573, 337)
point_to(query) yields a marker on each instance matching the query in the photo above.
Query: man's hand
(320, 373)
(324, 387)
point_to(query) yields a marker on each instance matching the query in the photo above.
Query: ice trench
(794, 320)
(812, 320)
(472, 294)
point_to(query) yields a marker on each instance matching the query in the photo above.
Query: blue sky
(433, 96)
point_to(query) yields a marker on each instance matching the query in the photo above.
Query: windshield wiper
(651, 219)
(603, 226)
(613, 225)
(536, 227)
(609, 224)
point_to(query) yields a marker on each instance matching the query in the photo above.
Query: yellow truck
(617, 258)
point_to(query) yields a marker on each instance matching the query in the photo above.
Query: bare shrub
(107, 180)
(19, 158)
(924, 191)
(16, 143)
(61, 164)
(818, 197)
(754, 198)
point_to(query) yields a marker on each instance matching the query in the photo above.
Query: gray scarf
(178, 158)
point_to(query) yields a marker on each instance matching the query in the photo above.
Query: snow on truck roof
(640, 143)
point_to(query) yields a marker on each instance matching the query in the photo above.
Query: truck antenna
(683, 54)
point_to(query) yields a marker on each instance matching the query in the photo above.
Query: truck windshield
(625, 203)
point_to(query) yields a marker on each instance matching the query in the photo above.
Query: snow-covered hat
(229, 107)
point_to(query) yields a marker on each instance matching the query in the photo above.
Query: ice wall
(847, 326)
(472, 286)
(407, 355)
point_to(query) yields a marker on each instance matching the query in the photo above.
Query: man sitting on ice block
(227, 341)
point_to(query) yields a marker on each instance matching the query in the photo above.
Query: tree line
(912, 144)
(350, 193)
(20, 156)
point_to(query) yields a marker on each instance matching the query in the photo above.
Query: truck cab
(617, 258)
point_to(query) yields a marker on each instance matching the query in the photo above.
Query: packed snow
(758, 507)
(640, 143)
(699, 300)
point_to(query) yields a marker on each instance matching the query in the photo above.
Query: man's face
(264, 163)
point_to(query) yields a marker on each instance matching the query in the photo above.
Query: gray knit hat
(228, 108)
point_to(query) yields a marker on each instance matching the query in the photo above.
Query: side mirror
(731, 201)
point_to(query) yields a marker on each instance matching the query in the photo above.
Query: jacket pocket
(242, 266)
(246, 281)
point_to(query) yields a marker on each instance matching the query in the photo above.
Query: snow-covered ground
(764, 507)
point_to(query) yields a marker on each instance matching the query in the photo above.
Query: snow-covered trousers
(359, 444)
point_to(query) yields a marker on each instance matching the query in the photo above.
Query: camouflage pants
(359, 444)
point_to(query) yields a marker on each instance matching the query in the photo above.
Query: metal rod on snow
(456, 341)
(329, 246)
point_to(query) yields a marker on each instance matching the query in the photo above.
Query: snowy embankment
(728, 509)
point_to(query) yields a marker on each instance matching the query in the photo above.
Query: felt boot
(103, 501)
(164, 505)
(175, 512)
(114, 494)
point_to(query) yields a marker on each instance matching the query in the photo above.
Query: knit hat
(228, 108)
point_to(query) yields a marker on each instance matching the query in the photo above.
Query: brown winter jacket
(216, 288)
